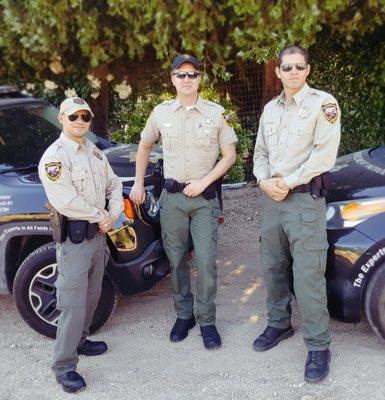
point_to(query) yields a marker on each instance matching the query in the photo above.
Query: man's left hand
(282, 185)
(194, 187)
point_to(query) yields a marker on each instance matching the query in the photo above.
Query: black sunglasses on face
(85, 117)
(182, 75)
(289, 67)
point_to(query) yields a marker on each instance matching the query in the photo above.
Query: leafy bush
(354, 72)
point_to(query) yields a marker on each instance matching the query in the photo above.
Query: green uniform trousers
(79, 284)
(181, 216)
(293, 234)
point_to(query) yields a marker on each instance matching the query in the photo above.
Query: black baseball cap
(183, 58)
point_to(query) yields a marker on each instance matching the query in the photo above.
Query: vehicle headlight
(346, 214)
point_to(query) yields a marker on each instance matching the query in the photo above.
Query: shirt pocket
(171, 137)
(271, 135)
(301, 135)
(206, 138)
(78, 176)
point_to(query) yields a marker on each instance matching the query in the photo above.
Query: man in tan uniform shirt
(193, 132)
(78, 179)
(298, 138)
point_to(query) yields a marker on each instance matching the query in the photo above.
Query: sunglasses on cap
(190, 75)
(85, 117)
(289, 67)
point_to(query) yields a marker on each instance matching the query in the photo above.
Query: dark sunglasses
(85, 117)
(190, 75)
(289, 67)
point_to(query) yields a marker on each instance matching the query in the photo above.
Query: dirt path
(142, 364)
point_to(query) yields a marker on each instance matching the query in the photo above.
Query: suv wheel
(375, 301)
(35, 294)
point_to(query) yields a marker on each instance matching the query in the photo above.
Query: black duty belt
(301, 188)
(79, 230)
(174, 186)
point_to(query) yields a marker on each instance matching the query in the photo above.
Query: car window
(26, 131)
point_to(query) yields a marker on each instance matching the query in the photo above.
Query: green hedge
(354, 72)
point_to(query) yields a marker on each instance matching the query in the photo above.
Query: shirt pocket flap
(270, 130)
(169, 130)
(78, 173)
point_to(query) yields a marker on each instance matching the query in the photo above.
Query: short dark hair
(293, 49)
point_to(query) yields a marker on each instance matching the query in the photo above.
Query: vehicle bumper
(141, 273)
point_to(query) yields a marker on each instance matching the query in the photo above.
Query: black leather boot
(271, 337)
(89, 348)
(317, 365)
(71, 381)
(210, 336)
(180, 329)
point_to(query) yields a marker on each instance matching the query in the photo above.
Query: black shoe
(271, 337)
(317, 365)
(71, 381)
(89, 348)
(210, 336)
(180, 329)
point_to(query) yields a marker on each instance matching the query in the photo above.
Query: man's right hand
(271, 188)
(137, 194)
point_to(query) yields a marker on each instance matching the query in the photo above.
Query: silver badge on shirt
(304, 112)
(207, 122)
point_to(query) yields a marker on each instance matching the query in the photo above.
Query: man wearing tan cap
(78, 179)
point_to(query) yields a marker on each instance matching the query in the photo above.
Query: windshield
(25, 133)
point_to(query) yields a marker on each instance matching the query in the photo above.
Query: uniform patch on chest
(98, 154)
(207, 122)
(53, 170)
(330, 112)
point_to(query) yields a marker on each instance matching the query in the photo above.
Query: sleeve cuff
(291, 181)
(96, 218)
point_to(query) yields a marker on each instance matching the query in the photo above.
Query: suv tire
(375, 301)
(35, 294)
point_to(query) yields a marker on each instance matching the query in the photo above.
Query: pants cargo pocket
(313, 234)
(67, 293)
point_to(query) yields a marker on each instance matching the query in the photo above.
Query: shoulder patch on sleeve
(53, 170)
(330, 111)
(230, 118)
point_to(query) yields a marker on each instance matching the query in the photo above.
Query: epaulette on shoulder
(321, 93)
(54, 148)
(211, 103)
(167, 102)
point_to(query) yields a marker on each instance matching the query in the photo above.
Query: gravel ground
(142, 364)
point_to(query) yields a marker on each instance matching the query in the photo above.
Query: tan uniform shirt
(298, 139)
(78, 179)
(191, 139)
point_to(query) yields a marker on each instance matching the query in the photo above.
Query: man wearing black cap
(193, 131)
